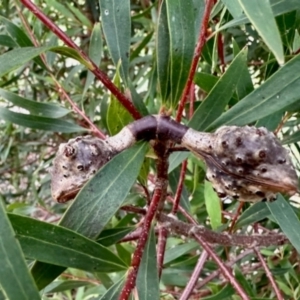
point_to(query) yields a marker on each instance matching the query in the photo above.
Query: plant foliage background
(135, 60)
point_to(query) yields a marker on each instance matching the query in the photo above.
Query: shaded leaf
(116, 23)
(111, 236)
(14, 276)
(225, 292)
(34, 107)
(113, 292)
(221, 93)
(95, 51)
(147, 281)
(279, 91)
(181, 22)
(37, 122)
(255, 213)
(286, 219)
(179, 250)
(60, 246)
(213, 205)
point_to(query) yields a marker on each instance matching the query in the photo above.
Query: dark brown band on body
(159, 127)
(144, 129)
(169, 129)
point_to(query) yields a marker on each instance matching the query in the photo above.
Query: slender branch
(159, 195)
(224, 269)
(269, 274)
(195, 277)
(179, 187)
(225, 239)
(216, 273)
(59, 87)
(93, 67)
(161, 248)
(197, 53)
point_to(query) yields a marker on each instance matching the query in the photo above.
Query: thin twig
(195, 277)
(201, 41)
(59, 87)
(269, 274)
(161, 248)
(92, 66)
(225, 239)
(179, 187)
(216, 273)
(224, 269)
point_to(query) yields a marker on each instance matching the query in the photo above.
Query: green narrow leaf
(286, 219)
(258, 11)
(279, 91)
(225, 292)
(37, 122)
(16, 58)
(163, 53)
(79, 15)
(111, 236)
(36, 108)
(217, 99)
(96, 203)
(117, 115)
(15, 278)
(60, 246)
(255, 213)
(147, 281)
(6, 40)
(19, 36)
(95, 51)
(116, 24)
(213, 205)
(181, 22)
(113, 292)
(293, 138)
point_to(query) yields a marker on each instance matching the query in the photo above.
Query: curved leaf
(286, 219)
(15, 278)
(220, 94)
(279, 91)
(60, 246)
(181, 22)
(36, 108)
(16, 58)
(37, 122)
(258, 11)
(147, 281)
(116, 23)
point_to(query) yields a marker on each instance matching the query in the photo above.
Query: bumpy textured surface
(249, 164)
(75, 163)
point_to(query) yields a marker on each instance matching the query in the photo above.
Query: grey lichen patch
(75, 163)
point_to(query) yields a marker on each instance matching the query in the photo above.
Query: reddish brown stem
(197, 53)
(161, 248)
(195, 277)
(226, 271)
(269, 274)
(241, 204)
(179, 187)
(159, 195)
(94, 69)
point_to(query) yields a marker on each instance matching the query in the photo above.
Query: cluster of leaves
(248, 73)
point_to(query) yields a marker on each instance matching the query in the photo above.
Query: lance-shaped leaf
(37, 122)
(147, 280)
(97, 202)
(60, 246)
(34, 107)
(279, 91)
(286, 219)
(116, 23)
(258, 11)
(15, 278)
(181, 23)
